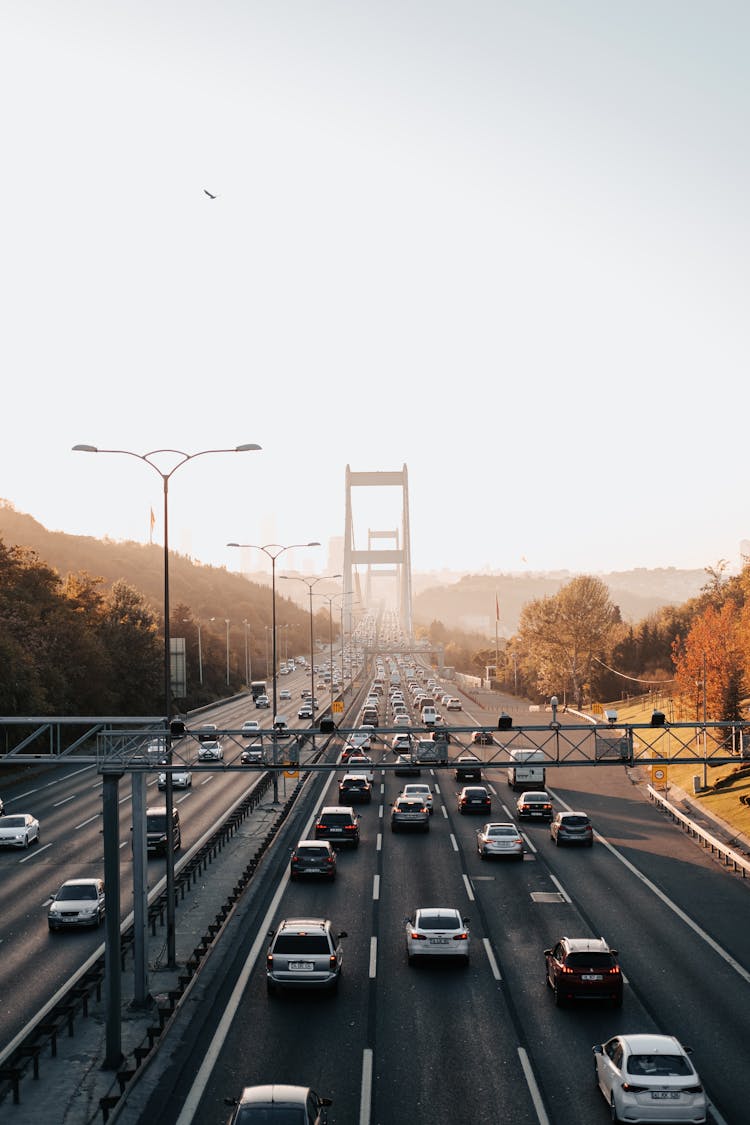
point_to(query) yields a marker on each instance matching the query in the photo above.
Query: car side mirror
(343, 934)
(597, 1049)
(548, 953)
(465, 921)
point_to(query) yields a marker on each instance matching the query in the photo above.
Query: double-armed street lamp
(179, 458)
(189, 621)
(310, 583)
(272, 551)
(330, 598)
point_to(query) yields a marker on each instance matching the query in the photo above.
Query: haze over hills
(461, 601)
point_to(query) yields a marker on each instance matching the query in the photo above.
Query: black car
(474, 799)
(339, 824)
(468, 768)
(353, 788)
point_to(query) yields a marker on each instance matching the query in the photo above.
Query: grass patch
(725, 784)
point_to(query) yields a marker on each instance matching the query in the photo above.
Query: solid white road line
(494, 968)
(533, 1088)
(560, 888)
(376, 887)
(469, 891)
(365, 1099)
(373, 971)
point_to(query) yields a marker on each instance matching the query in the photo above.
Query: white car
(181, 779)
(649, 1078)
(437, 931)
(211, 751)
(360, 763)
(453, 704)
(419, 789)
(79, 902)
(285, 693)
(17, 830)
(250, 727)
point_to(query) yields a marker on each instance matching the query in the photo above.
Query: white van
(429, 715)
(525, 770)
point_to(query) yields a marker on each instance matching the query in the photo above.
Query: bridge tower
(398, 557)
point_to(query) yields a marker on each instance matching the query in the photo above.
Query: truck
(526, 768)
(258, 687)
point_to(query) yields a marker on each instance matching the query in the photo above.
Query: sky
(501, 242)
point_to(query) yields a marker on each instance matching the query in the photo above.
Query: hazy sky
(503, 242)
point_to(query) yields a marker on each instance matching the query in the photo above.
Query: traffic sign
(337, 706)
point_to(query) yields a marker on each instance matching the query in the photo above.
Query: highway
(398, 1043)
(487, 1043)
(67, 801)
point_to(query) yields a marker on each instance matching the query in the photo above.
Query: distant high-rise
(336, 554)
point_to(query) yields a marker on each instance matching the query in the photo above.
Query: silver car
(181, 779)
(421, 790)
(304, 953)
(410, 812)
(499, 839)
(17, 830)
(79, 902)
(281, 1103)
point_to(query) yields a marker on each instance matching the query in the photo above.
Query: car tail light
(269, 961)
(332, 961)
(461, 937)
(319, 827)
(633, 1089)
(330, 859)
(350, 826)
(692, 1090)
(416, 936)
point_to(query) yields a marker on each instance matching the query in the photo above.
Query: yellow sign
(337, 706)
(291, 773)
(659, 775)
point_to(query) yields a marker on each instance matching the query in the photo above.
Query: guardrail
(731, 858)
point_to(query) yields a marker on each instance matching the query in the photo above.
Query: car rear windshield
(502, 832)
(589, 960)
(659, 1064)
(439, 922)
(271, 1115)
(312, 853)
(335, 818)
(301, 943)
(575, 821)
(409, 806)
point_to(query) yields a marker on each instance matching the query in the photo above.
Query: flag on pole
(497, 609)
(151, 529)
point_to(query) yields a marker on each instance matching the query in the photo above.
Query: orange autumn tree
(713, 646)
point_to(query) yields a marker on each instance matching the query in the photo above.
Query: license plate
(301, 966)
(438, 941)
(592, 976)
(665, 1095)
(334, 831)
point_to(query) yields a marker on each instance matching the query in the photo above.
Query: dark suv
(304, 953)
(355, 787)
(339, 824)
(156, 830)
(583, 969)
(313, 857)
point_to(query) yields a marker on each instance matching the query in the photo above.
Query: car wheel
(465, 961)
(558, 996)
(590, 844)
(26, 842)
(270, 987)
(617, 1002)
(482, 853)
(613, 1110)
(557, 841)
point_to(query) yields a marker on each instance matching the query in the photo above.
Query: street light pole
(273, 554)
(181, 459)
(226, 622)
(310, 582)
(247, 676)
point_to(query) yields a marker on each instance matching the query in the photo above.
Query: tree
(710, 663)
(560, 635)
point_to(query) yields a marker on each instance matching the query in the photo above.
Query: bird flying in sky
(208, 193)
